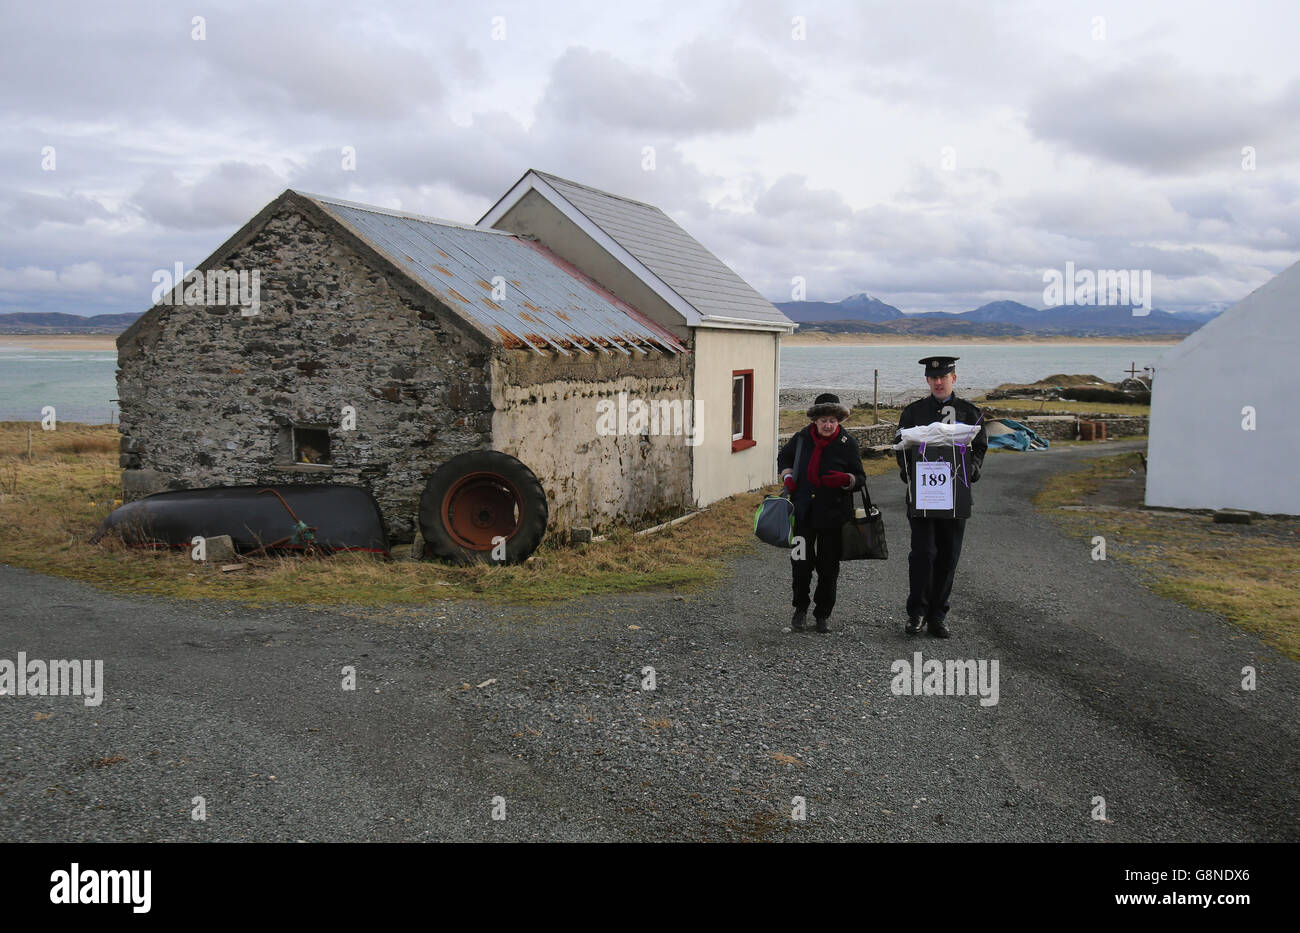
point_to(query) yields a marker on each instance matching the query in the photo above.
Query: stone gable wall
(207, 395)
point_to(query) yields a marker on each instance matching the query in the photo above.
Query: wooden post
(29, 445)
(875, 397)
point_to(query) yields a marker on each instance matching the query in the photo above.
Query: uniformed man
(936, 542)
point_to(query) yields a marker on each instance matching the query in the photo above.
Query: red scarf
(815, 461)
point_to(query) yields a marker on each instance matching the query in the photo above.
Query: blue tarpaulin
(1018, 437)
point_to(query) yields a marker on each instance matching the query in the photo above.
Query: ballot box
(938, 482)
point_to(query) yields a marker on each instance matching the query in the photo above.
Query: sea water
(81, 384)
(847, 370)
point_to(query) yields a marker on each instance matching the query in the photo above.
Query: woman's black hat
(828, 404)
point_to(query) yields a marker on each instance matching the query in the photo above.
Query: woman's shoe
(797, 622)
(823, 624)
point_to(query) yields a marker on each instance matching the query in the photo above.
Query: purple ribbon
(962, 448)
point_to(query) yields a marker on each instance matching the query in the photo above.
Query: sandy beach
(886, 340)
(105, 342)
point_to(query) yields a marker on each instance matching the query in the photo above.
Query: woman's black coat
(823, 506)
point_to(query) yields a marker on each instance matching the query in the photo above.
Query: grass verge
(792, 419)
(1247, 573)
(51, 504)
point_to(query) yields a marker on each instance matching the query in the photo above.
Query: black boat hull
(345, 518)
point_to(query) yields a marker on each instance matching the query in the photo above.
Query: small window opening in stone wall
(304, 443)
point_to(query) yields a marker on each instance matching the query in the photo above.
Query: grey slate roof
(671, 253)
(548, 303)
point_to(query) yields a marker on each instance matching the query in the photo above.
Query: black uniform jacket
(823, 506)
(929, 410)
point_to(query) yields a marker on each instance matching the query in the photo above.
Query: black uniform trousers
(932, 564)
(822, 550)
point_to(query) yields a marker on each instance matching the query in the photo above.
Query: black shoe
(938, 629)
(797, 623)
(914, 624)
(823, 624)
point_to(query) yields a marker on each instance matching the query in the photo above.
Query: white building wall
(1199, 454)
(718, 471)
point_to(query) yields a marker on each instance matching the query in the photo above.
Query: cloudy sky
(936, 155)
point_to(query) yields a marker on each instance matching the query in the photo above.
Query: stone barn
(335, 342)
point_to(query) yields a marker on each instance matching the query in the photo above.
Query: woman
(821, 483)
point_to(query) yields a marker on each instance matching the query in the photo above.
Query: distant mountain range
(864, 314)
(56, 322)
(861, 314)
(860, 307)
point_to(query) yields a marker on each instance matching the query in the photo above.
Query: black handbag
(864, 538)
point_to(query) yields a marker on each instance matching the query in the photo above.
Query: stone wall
(547, 413)
(210, 397)
(870, 436)
(1052, 427)
(1066, 427)
(1123, 427)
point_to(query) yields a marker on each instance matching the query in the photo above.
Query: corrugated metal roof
(671, 253)
(546, 304)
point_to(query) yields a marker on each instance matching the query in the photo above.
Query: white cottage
(640, 254)
(1224, 427)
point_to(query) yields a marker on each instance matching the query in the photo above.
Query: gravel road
(1105, 690)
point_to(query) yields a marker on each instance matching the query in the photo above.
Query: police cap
(939, 365)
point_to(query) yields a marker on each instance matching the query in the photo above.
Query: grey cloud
(142, 117)
(231, 193)
(1158, 117)
(719, 88)
(273, 68)
(310, 62)
(939, 54)
(949, 258)
(790, 195)
(929, 185)
(28, 209)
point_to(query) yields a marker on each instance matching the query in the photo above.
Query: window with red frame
(742, 409)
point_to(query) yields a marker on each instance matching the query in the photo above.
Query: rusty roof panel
(547, 302)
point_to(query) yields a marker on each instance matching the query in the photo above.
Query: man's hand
(835, 478)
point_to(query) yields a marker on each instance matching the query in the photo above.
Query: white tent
(1225, 426)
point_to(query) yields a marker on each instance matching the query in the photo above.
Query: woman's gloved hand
(789, 483)
(837, 479)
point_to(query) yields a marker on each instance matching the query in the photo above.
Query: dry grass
(1249, 574)
(52, 504)
(792, 419)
